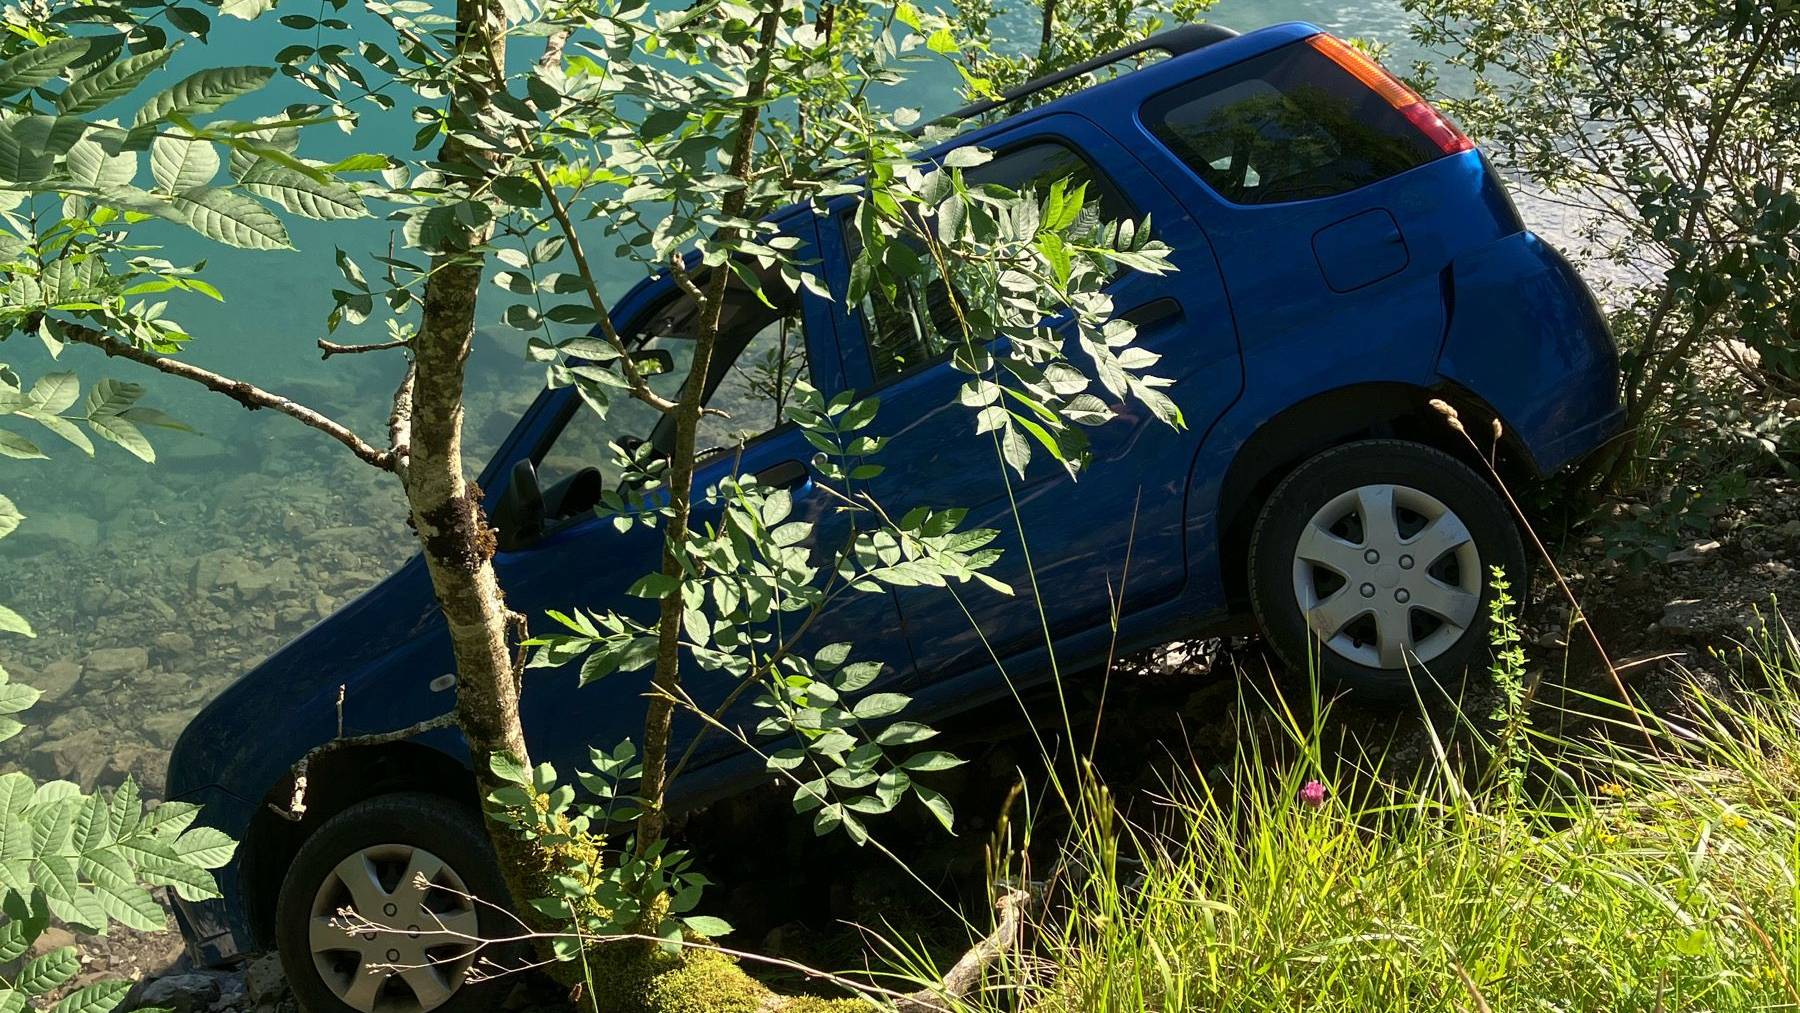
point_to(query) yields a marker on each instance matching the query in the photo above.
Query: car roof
(1126, 89)
(1145, 81)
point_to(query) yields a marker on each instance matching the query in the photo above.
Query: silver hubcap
(1387, 576)
(410, 937)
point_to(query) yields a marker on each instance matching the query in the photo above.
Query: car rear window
(1288, 125)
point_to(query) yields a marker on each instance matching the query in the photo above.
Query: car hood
(289, 702)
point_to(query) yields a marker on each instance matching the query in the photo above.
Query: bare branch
(964, 977)
(684, 280)
(962, 980)
(249, 395)
(328, 349)
(553, 49)
(297, 804)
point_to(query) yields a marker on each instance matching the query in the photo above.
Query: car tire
(1339, 576)
(370, 855)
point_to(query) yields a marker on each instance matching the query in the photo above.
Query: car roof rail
(1174, 42)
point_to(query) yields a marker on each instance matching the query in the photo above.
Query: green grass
(1593, 873)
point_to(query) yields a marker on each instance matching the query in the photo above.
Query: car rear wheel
(1372, 561)
(383, 907)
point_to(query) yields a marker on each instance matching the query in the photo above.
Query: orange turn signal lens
(1433, 124)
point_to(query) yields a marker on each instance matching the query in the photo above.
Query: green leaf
(55, 875)
(119, 893)
(939, 806)
(110, 397)
(365, 162)
(967, 157)
(115, 80)
(303, 195)
(170, 817)
(935, 759)
(151, 417)
(9, 517)
(180, 162)
(206, 847)
(203, 92)
(506, 768)
(67, 430)
(49, 971)
(232, 218)
(831, 656)
(189, 20)
(653, 585)
(15, 697)
(37, 66)
(123, 432)
(708, 926)
(22, 160)
(55, 392)
(12, 622)
(16, 937)
(904, 733)
(100, 997)
(880, 705)
(856, 676)
(247, 10)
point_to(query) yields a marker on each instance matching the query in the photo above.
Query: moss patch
(632, 978)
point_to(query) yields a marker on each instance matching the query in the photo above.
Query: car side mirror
(519, 516)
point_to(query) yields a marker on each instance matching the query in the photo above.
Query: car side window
(757, 387)
(760, 356)
(918, 325)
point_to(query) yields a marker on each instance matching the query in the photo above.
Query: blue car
(1346, 256)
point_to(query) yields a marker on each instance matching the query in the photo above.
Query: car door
(586, 563)
(1113, 538)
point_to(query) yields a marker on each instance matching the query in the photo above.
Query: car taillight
(1433, 124)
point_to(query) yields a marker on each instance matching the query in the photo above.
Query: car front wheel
(384, 908)
(1372, 560)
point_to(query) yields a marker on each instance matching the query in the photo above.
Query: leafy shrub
(1672, 129)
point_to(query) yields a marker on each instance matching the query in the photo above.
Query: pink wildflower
(1312, 795)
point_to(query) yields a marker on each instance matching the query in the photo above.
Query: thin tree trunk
(453, 531)
(659, 714)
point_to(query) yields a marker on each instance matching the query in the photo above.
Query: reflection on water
(152, 586)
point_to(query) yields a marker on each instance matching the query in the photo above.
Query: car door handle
(1153, 313)
(785, 475)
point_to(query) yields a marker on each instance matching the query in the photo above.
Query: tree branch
(297, 804)
(328, 349)
(964, 977)
(640, 387)
(249, 395)
(685, 281)
(667, 676)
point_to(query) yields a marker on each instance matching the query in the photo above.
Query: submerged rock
(59, 531)
(173, 644)
(118, 661)
(56, 680)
